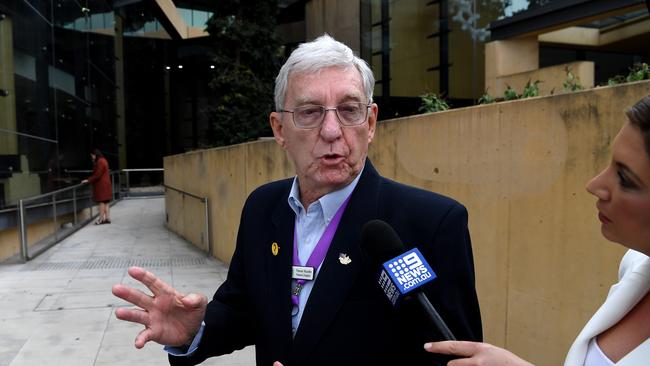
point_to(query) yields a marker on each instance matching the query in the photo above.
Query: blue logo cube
(407, 272)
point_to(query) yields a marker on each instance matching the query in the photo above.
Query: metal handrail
(144, 170)
(12, 209)
(128, 171)
(37, 205)
(206, 203)
(53, 193)
(4, 210)
(183, 192)
(121, 170)
(22, 222)
(77, 171)
(117, 195)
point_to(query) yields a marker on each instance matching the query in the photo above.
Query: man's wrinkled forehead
(355, 93)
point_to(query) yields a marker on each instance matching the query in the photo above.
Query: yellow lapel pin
(275, 248)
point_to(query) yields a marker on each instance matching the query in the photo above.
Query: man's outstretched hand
(169, 317)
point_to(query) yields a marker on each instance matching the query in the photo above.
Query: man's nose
(331, 128)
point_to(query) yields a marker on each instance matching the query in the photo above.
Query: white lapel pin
(344, 259)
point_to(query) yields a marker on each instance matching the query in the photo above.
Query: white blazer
(634, 283)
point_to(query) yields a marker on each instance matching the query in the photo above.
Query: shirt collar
(329, 203)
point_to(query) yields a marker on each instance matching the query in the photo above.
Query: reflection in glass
(63, 93)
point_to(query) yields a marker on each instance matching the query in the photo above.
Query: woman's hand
(476, 354)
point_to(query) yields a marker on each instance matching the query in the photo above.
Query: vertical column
(8, 140)
(45, 84)
(444, 48)
(24, 246)
(365, 31)
(119, 91)
(167, 103)
(385, 49)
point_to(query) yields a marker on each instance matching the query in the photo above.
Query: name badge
(302, 273)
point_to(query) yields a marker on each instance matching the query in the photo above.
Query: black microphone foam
(380, 242)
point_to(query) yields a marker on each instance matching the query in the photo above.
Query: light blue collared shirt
(310, 226)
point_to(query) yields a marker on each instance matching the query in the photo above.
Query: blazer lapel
(279, 277)
(621, 299)
(335, 279)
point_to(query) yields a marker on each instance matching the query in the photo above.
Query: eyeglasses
(312, 116)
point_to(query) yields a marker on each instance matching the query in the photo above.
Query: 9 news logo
(409, 271)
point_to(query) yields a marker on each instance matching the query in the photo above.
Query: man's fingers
(136, 272)
(463, 362)
(133, 315)
(155, 284)
(277, 363)
(458, 348)
(143, 337)
(134, 296)
(194, 301)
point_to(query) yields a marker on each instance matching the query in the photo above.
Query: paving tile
(62, 348)
(20, 302)
(86, 281)
(57, 309)
(69, 300)
(150, 355)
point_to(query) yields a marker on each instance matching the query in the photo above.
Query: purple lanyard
(318, 255)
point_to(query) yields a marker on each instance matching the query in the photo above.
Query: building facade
(131, 77)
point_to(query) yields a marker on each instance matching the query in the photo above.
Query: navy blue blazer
(347, 319)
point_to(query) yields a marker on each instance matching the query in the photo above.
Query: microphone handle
(434, 317)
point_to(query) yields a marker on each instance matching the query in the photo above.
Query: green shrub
(431, 102)
(510, 94)
(638, 72)
(486, 98)
(531, 89)
(572, 82)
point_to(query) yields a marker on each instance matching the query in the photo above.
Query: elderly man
(330, 311)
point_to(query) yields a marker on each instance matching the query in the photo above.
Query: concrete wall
(226, 176)
(514, 62)
(520, 167)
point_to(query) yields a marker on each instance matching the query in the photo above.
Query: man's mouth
(332, 158)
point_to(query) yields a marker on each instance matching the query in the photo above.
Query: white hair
(321, 53)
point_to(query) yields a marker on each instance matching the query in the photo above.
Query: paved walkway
(58, 308)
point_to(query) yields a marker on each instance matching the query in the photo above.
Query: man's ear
(372, 121)
(275, 119)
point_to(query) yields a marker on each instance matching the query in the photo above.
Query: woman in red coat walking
(102, 188)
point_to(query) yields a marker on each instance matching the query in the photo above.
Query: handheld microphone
(402, 273)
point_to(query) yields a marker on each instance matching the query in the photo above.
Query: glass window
(186, 14)
(62, 102)
(200, 18)
(431, 46)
